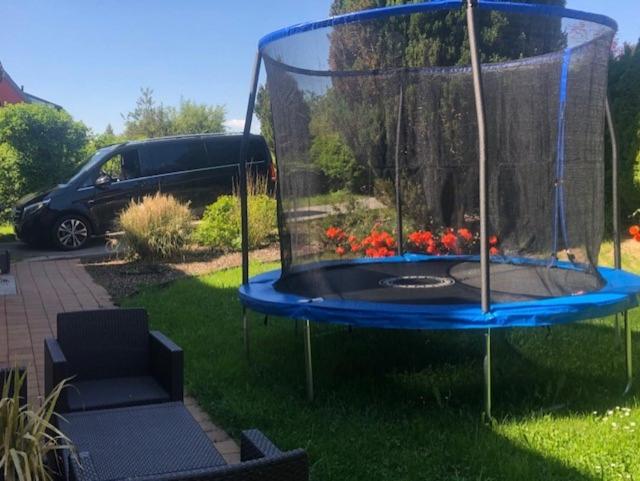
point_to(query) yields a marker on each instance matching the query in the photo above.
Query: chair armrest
(56, 370)
(255, 445)
(167, 364)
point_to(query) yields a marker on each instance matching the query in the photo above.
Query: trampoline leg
(628, 350)
(245, 331)
(487, 376)
(307, 359)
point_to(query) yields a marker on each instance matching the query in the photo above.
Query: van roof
(188, 137)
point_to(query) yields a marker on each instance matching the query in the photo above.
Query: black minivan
(192, 168)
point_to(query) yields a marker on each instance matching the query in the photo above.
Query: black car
(193, 168)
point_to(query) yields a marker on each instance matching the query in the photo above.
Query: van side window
(257, 151)
(123, 166)
(223, 151)
(168, 156)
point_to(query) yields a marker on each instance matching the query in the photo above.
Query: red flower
(493, 240)
(465, 234)
(340, 251)
(335, 233)
(371, 252)
(449, 241)
(637, 237)
(494, 251)
(634, 230)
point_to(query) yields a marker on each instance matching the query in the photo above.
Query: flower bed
(381, 242)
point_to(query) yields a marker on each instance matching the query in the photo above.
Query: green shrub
(220, 226)
(39, 147)
(336, 161)
(158, 227)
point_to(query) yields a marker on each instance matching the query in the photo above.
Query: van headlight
(35, 207)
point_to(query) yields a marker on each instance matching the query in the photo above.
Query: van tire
(71, 232)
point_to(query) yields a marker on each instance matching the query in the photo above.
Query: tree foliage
(149, 119)
(39, 147)
(263, 112)
(194, 118)
(624, 92)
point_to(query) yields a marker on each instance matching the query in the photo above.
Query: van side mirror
(102, 181)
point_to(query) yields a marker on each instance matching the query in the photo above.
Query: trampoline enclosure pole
(244, 216)
(628, 340)
(617, 256)
(244, 151)
(397, 173)
(307, 359)
(615, 201)
(487, 375)
(483, 187)
(482, 153)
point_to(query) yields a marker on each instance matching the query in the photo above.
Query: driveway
(20, 251)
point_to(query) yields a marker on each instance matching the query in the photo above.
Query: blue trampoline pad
(440, 292)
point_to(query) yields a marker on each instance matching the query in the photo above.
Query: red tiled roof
(10, 93)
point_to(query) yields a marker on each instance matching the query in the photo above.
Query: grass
(332, 198)
(6, 233)
(398, 405)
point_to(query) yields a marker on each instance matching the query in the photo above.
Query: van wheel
(71, 232)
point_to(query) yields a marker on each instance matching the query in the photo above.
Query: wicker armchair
(260, 460)
(113, 361)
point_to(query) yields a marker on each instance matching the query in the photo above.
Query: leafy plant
(28, 437)
(158, 227)
(220, 226)
(336, 161)
(39, 147)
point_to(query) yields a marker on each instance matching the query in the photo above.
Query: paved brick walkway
(43, 290)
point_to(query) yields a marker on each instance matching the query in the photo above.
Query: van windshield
(94, 160)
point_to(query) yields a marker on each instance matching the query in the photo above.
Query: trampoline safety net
(376, 141)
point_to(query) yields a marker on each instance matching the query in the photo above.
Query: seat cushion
(114, 392)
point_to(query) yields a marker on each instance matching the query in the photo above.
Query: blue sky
(92, 56)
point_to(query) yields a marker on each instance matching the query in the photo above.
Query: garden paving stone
(43, 289)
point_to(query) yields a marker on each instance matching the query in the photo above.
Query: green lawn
(6, 233)
(397, 405)
(332, 198)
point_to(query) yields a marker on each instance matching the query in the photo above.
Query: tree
(195, 118)
(108, 137)
(624, 92)
(263, 112)
(147, 119)
(39, 147)
(438, 113)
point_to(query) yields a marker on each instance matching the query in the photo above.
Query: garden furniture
(113, 361)
(164, 442)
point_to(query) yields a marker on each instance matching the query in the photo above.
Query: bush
(336, 161)
(158, 227)
(39, 147)
(220, 226)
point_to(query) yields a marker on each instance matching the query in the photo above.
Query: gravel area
(122, 278)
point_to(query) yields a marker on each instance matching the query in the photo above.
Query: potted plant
(29, 439)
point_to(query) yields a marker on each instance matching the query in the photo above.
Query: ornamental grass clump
(158, 227)
(28, 437)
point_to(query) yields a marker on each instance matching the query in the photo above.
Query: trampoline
(469, 136)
